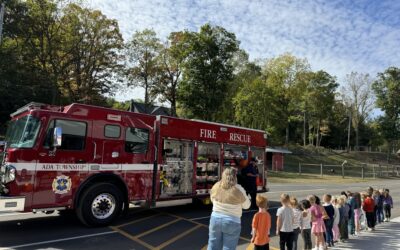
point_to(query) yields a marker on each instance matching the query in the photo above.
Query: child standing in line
(306, 224)
(318, 226)
(296, 220)
(352, 204)
(357, 213)
(379, 211)
(284, 223)
(378, 206)
(387, 204)
(344, 210)
(369, 208)
(261, 225)
(330, 211)
(336, 219)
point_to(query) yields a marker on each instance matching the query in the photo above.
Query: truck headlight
(10, 173)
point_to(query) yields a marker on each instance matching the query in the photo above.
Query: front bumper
(12, 204)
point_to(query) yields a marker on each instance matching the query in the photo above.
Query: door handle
(80, 161)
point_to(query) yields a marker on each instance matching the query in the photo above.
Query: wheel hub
(103, 206)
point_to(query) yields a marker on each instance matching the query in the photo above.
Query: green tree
(143, 54)
(286, 76)
(208, 70)
(114, 104)
(245, 72)
(90, 62)
(387, 91)
(338, 124)
(255, 107)
(319, 101)
(22, 79)
(171, 60)
(56, 53)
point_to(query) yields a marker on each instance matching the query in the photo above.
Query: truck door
(60, 170)
(137, 166)
(112, 147)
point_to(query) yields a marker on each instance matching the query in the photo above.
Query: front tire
(100, 204)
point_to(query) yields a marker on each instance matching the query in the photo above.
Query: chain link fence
(364, 170)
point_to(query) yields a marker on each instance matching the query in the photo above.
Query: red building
(275, 158)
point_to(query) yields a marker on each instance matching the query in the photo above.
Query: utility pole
(348, 132)
(2, 9)
(304, 128)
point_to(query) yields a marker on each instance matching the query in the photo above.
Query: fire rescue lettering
(206, 133)
(66, 167)
(239, 138)
(233, 137)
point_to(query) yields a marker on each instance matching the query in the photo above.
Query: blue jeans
(329, 232)
(223, 234)
(351, 225)
(379, 214)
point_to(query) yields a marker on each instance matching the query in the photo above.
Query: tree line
(59, 52)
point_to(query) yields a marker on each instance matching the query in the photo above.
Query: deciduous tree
(208, 71)
(358, 94)
(286, 76)
(387, 90)
(143, 54)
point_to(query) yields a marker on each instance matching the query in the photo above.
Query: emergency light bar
(35, 105)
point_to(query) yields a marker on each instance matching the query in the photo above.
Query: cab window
(73, 134)
(136, 140)
(112, 131)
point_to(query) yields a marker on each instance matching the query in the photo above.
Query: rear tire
(100, 204)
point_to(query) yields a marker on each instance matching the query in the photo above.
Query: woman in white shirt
(228, 198)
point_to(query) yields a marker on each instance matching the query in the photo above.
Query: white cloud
(335, 36)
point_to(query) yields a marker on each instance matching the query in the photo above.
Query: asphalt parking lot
(175, 226)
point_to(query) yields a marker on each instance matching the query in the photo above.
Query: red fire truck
(97, 161)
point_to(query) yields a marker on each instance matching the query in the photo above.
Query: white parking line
(244, 212)
(58, 240)
(295, 191)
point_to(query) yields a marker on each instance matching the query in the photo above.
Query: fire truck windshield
(22, 132)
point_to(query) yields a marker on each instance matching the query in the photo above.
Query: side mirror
(57, 137)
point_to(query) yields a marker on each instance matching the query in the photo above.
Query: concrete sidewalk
(386, 236)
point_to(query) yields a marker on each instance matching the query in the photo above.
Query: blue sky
(336, 36)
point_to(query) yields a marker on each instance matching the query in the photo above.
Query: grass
(287, 177)
(353, 168)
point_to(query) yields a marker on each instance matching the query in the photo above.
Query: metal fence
(364, 170)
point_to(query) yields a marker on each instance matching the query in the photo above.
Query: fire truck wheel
(100, 204)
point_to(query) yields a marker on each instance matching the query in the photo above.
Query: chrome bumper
(12, 204)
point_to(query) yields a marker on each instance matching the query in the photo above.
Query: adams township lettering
(65, 167)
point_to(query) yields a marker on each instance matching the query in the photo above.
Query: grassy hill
(374, 163)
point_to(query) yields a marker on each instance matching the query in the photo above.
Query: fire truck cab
(97, 161)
